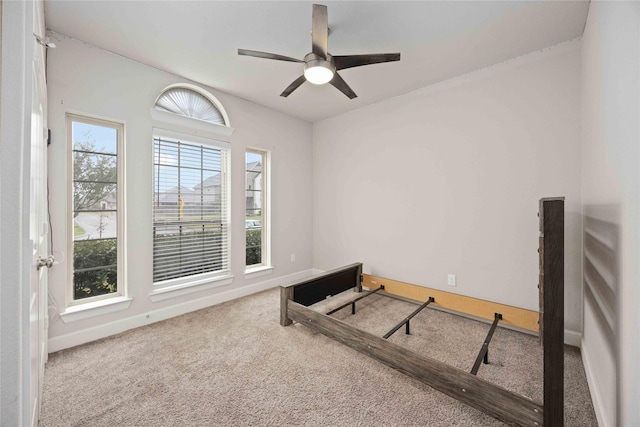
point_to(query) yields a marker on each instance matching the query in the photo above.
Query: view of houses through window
(190, 209)
(255, 208)
(95, 165)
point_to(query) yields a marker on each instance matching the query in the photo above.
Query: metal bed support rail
(484, 351)
(353, 303)
(407, 319)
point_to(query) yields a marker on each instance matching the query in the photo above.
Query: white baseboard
(573, 338)
(102, 331)
(596, 398)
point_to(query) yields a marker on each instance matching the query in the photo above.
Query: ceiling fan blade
(293, 86)
(266, 55)
(350, 61)
(319, 31)
(342, 86)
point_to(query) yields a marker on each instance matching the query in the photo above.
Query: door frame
(16, 251)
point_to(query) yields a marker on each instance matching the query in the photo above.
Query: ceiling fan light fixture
(318, 75)
(318, 71)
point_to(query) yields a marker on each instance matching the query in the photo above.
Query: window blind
(190, 209)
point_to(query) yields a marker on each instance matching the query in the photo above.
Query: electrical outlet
(293, 257)
(451, 280)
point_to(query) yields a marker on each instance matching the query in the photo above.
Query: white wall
(447, 180)
(611, 191)
(87, 80)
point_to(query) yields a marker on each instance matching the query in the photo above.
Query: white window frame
(184, 128)
(192, 283)
(120, 296)
(265, 264)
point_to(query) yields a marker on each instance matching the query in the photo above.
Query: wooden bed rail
(512, 316)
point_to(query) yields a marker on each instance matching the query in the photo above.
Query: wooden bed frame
(466, 387)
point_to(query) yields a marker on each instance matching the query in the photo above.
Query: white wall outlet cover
(451, 280)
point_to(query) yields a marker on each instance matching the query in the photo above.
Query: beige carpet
(233, 364)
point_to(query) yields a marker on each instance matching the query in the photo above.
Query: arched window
(191, 209)
(179, 104)
(190, 103)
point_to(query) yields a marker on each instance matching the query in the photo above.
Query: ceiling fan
(320, 67)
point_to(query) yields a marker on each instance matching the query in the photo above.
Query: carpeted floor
(233, 364)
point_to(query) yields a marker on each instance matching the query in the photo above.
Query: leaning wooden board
(552, 306)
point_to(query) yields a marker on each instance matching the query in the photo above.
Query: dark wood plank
(541, 283)
(498, 402)
(552, 282)
(359, 278)
(316, 288)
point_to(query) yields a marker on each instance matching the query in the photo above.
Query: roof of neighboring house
(254, 166)
(212, 181)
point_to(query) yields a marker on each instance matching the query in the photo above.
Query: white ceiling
(199, 40)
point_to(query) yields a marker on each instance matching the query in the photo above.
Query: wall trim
(596, 397)
(102, 331)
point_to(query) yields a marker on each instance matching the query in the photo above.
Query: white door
(39, 236)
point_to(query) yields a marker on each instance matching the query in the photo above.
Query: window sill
(167, 292)
(263, 270)
(97, 308)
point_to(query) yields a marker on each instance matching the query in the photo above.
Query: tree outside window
(95, 207)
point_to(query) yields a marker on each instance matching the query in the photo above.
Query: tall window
(190, 208)
(256, 209)
(96, 147)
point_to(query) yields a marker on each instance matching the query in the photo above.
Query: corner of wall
(573, 338)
